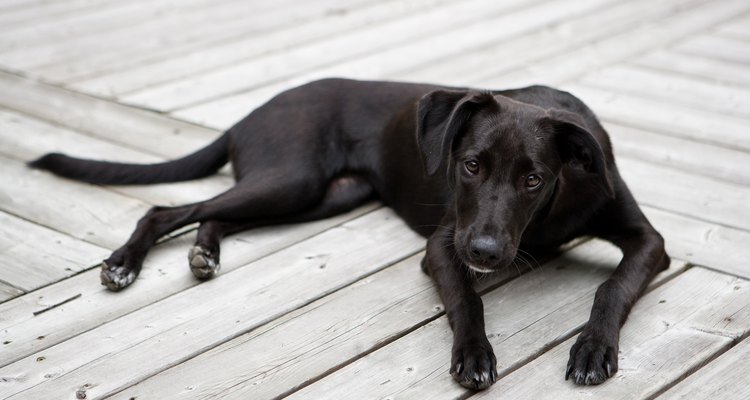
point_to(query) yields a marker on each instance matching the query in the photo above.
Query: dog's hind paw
(116, 277)
(203, 263)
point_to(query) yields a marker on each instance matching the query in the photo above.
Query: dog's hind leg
(267, 197)
(343, 194)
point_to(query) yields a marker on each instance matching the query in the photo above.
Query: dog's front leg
(593, 357)
(473, 362)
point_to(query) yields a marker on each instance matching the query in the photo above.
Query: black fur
(481, 173)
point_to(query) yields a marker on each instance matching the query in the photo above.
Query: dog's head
(504, 160)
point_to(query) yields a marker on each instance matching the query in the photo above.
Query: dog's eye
(472, 166)
(533, 181)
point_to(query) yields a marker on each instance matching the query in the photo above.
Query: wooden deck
(339, 309)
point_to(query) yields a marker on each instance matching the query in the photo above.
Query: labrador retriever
(482, 174)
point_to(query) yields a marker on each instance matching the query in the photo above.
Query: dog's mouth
(482, 267)
(481, 270)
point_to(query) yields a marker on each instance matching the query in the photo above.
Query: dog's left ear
(577, 146)
(441, 116)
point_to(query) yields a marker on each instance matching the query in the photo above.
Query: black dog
(481, 173)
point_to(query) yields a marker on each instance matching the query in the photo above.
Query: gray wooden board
(665, 117)
(722, 98)
(670, 61)
(304, 343)
(8, 292)
(24, 138)
(119, 15)
(184, 36)
(428, 41)
(718, 47)
(724, 378)
(670, 332)
(154, 20)
(698, 197)
(737, 29)
(165, 273)
(175, 329)
(222, 54)
(522, 318)
(224, 111)
(719, 247)
(34, 256)
(221, 112)
(544, 44)
(686, 155)
(614, 49)
(83, 211)
(139, 129)
(326, 334)
(24, 15)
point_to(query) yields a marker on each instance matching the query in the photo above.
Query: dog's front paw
(474, 365)
(593, 358)
(116, 277)
(203, 262)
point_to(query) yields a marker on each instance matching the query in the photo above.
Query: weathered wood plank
(24, 139)
(304, 343)
(522, 318)
(35, 256)
(699, 197)
(119, 15)
(222, 112)
(686, 155)
(670, 332)
(139, 129)
(312, 341)
(226, 110)
(670, 61)
(719, 247)
(737, 29)
(175, 329)
(25, 15)
(551, 42)
(620, 47)
(8, 292)
(222, 54)
(237, 19)
(165, 273)
(86, 212)
(355, 57)
(717, 47)
(716, 97)
(665, 117)
(724, 378)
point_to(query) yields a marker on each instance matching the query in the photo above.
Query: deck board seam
(370, 52)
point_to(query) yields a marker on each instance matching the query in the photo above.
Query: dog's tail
(203, 162)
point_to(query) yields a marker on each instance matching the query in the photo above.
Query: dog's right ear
(441, 116)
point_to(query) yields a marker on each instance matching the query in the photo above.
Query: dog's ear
(441, 116)
(577, 146)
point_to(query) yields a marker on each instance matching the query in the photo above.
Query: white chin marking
(478, 269)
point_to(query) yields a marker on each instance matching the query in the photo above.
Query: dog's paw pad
(116, 277)
(203, 263)
(474, 367)
(591, 361)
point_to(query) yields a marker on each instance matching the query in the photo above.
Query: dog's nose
(484, 249)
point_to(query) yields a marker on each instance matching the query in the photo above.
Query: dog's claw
(475, 367)
(593, 359)
(116, 277)
(202, 263)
